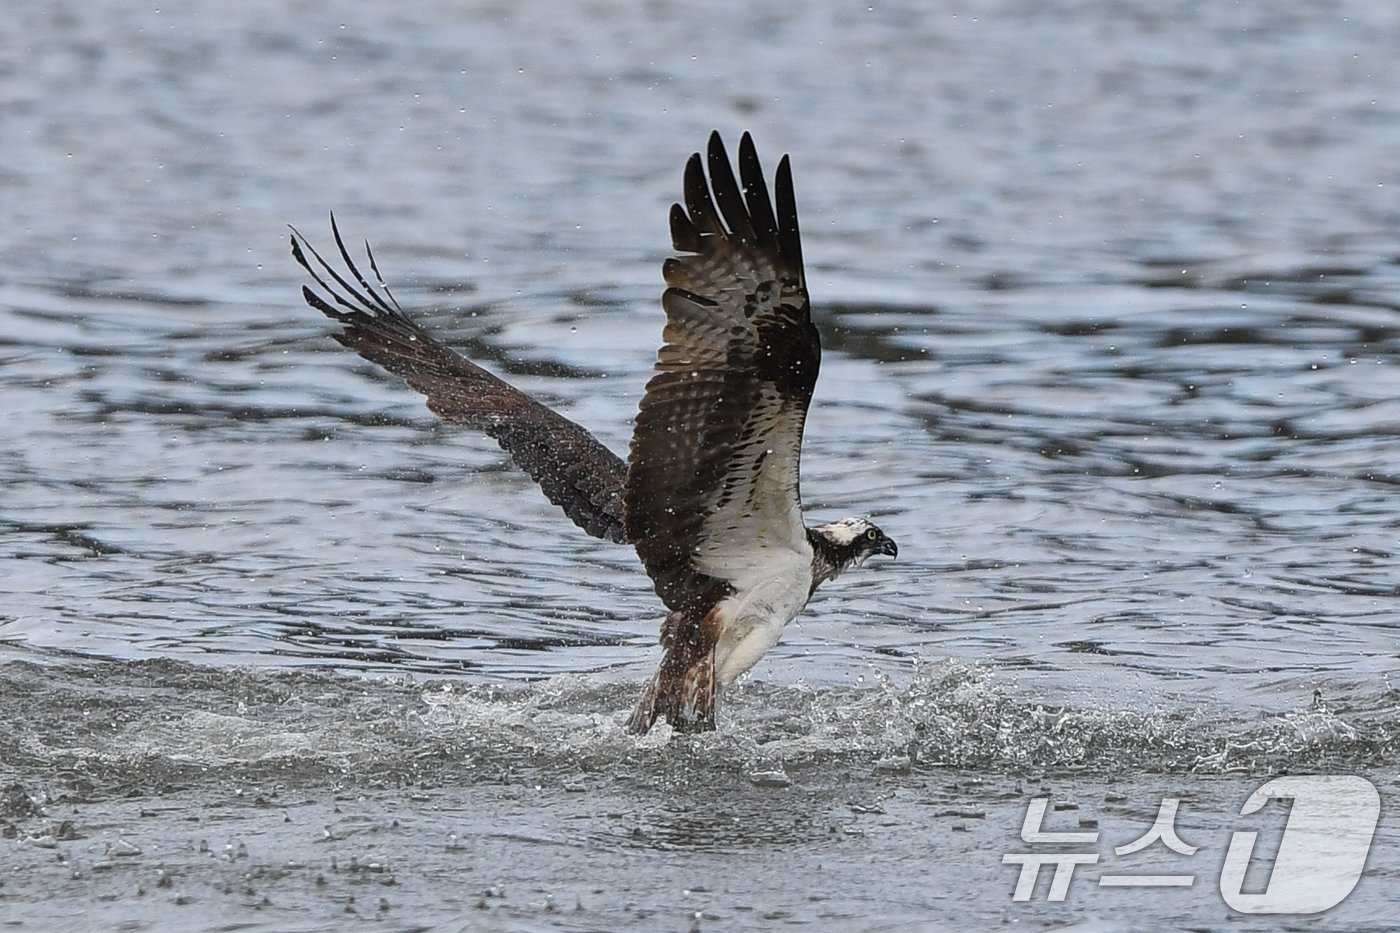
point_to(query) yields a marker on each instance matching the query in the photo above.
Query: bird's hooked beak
(886, 546)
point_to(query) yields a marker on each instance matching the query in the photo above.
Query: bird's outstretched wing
(712, 483)
(574, 469)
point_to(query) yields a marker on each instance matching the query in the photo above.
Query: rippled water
(1109, 301)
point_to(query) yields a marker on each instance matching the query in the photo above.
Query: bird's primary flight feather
(575, 470)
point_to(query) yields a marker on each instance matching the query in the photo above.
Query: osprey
(708, 495)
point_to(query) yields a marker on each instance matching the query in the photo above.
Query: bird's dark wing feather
(574, 469)
(712, 482)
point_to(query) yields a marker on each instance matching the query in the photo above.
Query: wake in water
(300, 798)
(127, 722)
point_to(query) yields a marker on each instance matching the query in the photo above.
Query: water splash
(153, 721)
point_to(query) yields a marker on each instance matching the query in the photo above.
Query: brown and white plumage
(715, 450)
(575, 470)
(709, 496)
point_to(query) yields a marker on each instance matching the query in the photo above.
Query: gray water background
(1109, 300)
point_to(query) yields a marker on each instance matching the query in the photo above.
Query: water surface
(1108, 296)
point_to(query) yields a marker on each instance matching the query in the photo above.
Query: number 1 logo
(1323, 850)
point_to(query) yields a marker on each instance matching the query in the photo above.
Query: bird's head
(853, 541)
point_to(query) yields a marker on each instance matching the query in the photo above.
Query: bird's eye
(871, 534)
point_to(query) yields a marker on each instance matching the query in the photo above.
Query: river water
(1109, 299)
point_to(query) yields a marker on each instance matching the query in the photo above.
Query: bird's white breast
(776, 589)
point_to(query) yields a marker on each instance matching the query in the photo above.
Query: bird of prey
(709, 493)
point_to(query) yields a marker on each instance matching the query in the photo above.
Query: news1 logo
(1320, 857)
